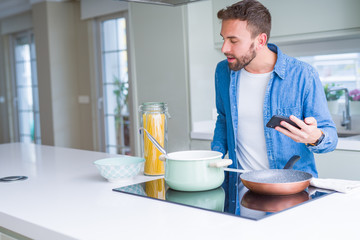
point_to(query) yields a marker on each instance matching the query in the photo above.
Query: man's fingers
(297, 133)
(308, 132)
(298, 122)
(310, 121)
(288, 133)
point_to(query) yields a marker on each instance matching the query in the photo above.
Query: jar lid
(153, 107)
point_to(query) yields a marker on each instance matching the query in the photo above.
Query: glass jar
(153, 117)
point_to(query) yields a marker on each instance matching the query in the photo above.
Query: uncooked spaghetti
(154, 123)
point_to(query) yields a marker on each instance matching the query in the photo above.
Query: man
(257, 81)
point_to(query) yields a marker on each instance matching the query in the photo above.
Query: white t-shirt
(250, 145)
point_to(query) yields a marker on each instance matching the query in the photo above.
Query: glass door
(114, 95)
(25, 89)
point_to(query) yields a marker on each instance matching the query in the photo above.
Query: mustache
(229, 55)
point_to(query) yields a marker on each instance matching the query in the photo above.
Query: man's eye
(233, 41)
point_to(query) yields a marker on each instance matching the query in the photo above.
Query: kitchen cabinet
(197, 144)
(307, 20)
(340, 164)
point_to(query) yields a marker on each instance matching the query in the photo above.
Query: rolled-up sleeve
(315, 105)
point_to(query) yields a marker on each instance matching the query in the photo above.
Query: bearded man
(257, 81)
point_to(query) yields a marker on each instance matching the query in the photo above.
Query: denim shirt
(293, 89)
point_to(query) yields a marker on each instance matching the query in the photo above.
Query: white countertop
(66, 198)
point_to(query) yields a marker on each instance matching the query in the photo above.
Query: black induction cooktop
(232, 198)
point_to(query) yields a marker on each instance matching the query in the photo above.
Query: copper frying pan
(277, 181)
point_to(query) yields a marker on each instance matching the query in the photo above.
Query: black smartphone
(276, 119)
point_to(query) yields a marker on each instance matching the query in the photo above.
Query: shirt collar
(280, 64)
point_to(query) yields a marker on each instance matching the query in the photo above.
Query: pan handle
(292, 162)
(221, 163)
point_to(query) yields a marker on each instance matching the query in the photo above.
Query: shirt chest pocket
(287, 111)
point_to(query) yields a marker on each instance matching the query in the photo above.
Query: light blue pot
(195, 170)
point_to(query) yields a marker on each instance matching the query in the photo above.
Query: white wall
(203, 58)
(159, 71)
(63, 74)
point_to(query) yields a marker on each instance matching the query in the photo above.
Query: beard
(243, 61)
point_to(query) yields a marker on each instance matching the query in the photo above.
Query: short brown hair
(257, 16)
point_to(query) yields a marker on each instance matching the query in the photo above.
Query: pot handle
(221, 163)
(162, 157)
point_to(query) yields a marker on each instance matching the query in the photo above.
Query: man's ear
(261, 41)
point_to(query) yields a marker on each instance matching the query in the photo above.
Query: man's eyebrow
(229, 37)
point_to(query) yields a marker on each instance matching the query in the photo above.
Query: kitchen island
(65, 197)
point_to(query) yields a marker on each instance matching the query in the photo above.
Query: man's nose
(225, 47)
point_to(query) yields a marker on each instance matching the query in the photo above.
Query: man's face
(238, 46)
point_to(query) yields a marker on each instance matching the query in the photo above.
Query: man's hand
(308, 132)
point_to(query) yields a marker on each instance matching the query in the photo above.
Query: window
(342, 71)
(27, 113)
(337, 69)
(115, 85)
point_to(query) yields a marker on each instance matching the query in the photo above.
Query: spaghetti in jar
(154, 119)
